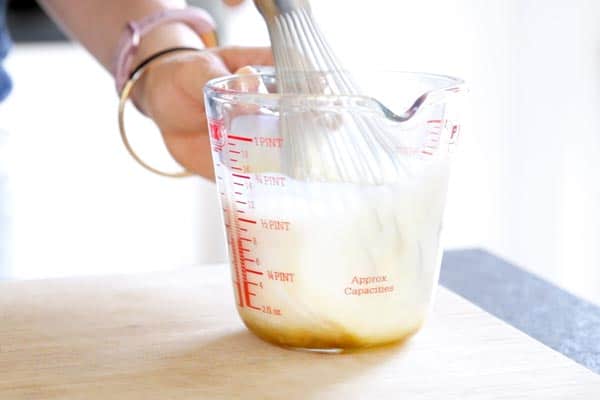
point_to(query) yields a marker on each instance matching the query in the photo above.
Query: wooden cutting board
(176, 335)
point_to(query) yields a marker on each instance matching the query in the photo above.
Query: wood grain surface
(176, 335)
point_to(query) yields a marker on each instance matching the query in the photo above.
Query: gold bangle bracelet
(125, 95)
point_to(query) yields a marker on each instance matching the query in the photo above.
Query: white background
(526, 183)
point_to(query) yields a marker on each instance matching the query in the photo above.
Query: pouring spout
(430, 97)
(406, 115)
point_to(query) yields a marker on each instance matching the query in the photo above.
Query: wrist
(168, 27)
(173, 34)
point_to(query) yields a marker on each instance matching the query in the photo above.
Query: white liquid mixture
(344, 264)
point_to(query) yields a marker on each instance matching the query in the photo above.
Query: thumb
(249, 81)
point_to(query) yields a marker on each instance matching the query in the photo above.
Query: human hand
(171, 93)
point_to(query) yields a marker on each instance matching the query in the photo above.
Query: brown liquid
(320, 339)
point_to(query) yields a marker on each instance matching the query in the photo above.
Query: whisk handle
(273, 8)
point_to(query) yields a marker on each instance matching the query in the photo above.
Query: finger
(251, 82)
(192, 151)
(247, 81)
(238, 57)
(174, 93)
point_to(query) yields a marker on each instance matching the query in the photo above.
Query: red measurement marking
(231, 144)
(245, 239)
(252, 271)
(235, 151)
(247, 294)
(238, 192)
(239, 276)
(241, 211)
(239, 291)
(434, 121)
(240, 202)
(243, 229)
(250, 221)
(241, 138)
(427, 152)
(237, 183)
(233, 160)
(241, 261)
(241, 176)
(237, 168)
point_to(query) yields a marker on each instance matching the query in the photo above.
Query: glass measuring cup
(319, 261)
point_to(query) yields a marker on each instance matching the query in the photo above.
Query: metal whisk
(321, 144)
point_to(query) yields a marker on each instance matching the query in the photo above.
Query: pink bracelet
(196, 18)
